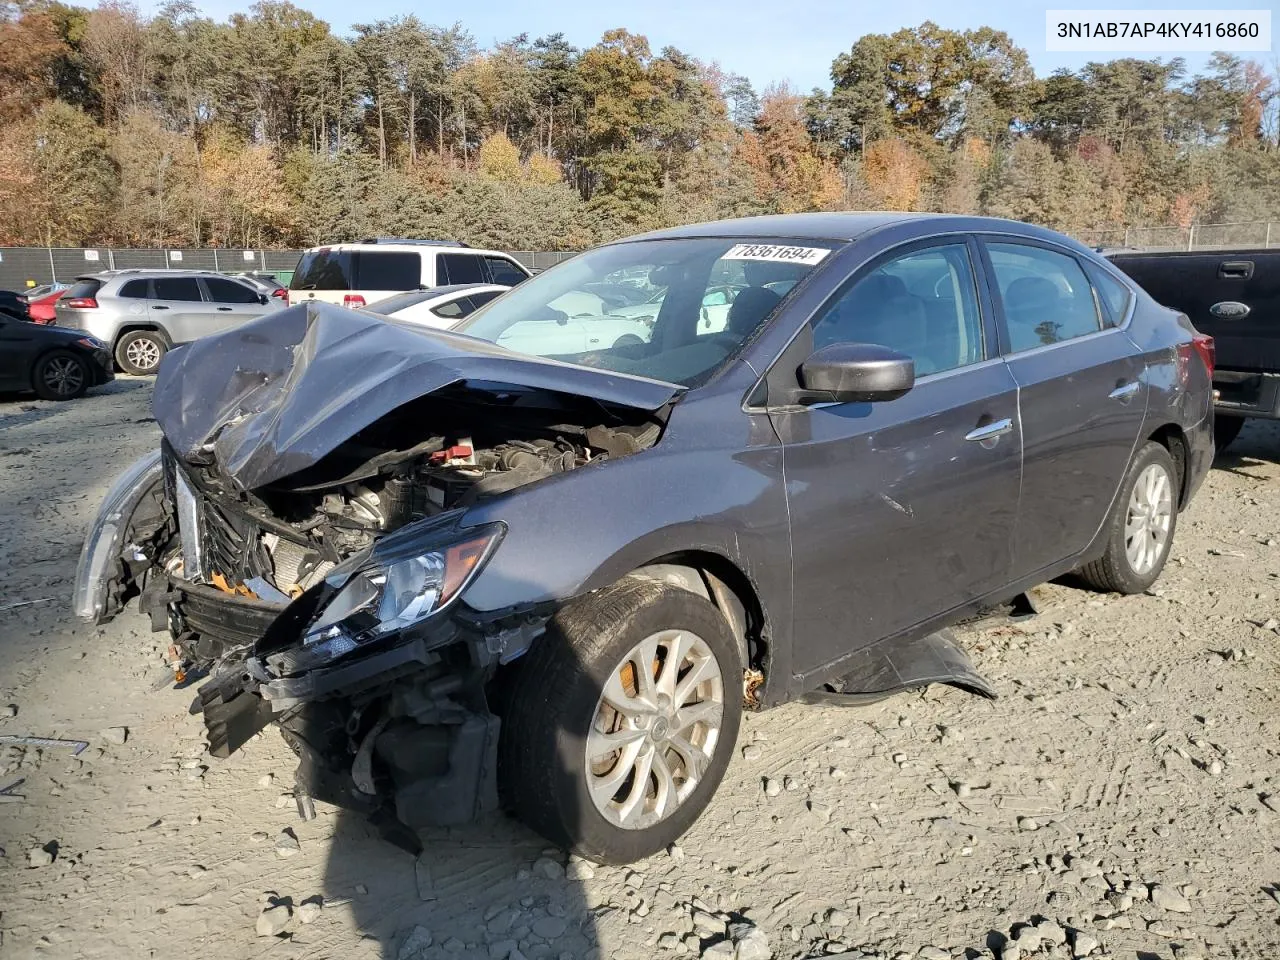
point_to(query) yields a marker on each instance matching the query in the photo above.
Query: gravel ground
(1120, 799)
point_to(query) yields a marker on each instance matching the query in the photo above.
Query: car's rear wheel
(60, 375)
(1141, 525)
(1225, 431)
(622, 721)
(139, 352)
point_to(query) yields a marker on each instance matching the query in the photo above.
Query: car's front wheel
(139, 352)
(1141, 525)
(622, 720)
(60, 375)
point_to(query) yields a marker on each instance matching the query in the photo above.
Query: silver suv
(143, 313)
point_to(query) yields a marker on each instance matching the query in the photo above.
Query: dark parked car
(454, 575)
(57, 364)
(13, 305)
(1234, 295)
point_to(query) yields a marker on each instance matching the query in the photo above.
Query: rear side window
(134, 290)
(384, 270)
(83, 288)
(504, 271)
(228, 291)
(324, 269)
(177, 288)
(459, 268)
(1047, 298)
(1115, 296)
(453, 310)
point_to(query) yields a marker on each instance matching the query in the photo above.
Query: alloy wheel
(64, 376)
(1149, 519)
(143, 354)
(655, 729)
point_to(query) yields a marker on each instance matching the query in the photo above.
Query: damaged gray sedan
(468, 570)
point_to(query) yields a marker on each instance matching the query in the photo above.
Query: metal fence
(22, 267)
(1198, 236)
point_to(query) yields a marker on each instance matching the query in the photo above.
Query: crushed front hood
(275, 395)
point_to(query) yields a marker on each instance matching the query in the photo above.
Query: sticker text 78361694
(777, 252)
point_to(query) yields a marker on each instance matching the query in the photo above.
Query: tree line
(269, 129)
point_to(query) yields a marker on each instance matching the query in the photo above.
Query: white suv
(356, 274)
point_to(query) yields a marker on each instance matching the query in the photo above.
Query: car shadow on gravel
(482, 891)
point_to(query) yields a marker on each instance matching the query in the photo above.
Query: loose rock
(751, 752)
(273, 920)
(1082, 945)
(771, 787)
(39, 856)
(287, 844)
(1167, 898)
(309, 911)
(116, 735)
(546, 867)
(549, 927)
(418, 940)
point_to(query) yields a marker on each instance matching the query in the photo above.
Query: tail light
(1201, 345)
(282, 293)
(353, 300)
(81, 303)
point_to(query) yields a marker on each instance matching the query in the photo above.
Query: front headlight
(93, 343)
(394, 589)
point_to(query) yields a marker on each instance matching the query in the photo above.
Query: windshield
(673, 310)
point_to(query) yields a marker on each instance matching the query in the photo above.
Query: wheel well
(150, 327)
(719, 581)
(1171, 437)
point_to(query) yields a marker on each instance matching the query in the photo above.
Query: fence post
(53, 271)
(215, 261)
(1126, 236)
(111, 259)
(1191, 236)
(1267, 242)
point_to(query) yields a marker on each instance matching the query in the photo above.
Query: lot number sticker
(776, 252)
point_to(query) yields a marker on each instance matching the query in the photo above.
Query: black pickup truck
(1234, 296)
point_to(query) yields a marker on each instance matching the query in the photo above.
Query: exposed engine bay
(277, 542)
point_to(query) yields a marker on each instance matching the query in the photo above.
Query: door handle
(225, 308)
(997, 428)
(1125, 392)
(158, 306)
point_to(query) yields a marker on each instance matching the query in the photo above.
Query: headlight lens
(393, 592)
(93, 343)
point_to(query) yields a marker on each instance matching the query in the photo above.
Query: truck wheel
(1141, 525)
(622, 721)
(139, 352)
(1225, 431)
(60, 375)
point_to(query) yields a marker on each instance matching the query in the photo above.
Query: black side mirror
(262, 299)
(855, 372)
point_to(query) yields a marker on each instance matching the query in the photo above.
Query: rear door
(454, 268)
(178, 305)
(233, 303)
(17, 351)
(1082, 396)
(1233, 297)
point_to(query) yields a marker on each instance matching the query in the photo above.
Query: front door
(233, 303)
(902, 510)
(1083, 398)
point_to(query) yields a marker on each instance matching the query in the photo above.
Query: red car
(41, 308)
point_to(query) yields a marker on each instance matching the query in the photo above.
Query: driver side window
(923, 304)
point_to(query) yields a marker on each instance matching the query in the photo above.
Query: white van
(356, 274)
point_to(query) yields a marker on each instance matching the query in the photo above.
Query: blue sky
(766, 41)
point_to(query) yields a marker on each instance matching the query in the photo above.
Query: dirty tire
(60, 375)
(542, 768)
(1113, 571)
(628, 340)
(1225, 431)
(139, 352)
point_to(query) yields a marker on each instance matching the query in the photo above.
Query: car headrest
(750, 306)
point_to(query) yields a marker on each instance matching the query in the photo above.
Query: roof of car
(407, 246)
(843, 226)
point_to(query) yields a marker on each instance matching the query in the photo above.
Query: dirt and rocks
(1121, 798)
